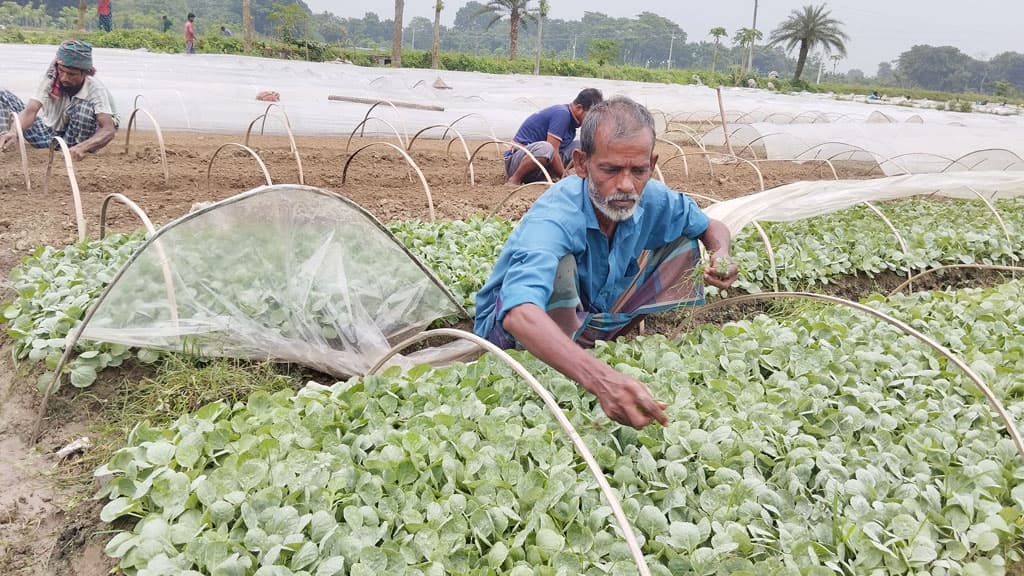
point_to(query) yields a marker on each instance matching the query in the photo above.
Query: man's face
(70, 79)
(616, 172)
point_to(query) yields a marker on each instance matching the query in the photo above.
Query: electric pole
(670, 44)
(753, 40)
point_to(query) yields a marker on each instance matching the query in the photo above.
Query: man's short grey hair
(623, 116)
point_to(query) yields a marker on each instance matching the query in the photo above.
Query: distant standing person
(225, 31)
(167, 23)
(550, 135)
(105, 16)
(190, 34)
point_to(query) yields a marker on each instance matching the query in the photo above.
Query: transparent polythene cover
(286, 273)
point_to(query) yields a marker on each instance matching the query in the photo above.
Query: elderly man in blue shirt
(596, 253)
(550, 135)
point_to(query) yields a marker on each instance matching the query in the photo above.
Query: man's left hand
(77, 153)
(721, 271)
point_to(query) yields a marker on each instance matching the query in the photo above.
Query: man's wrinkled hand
(627, 401)
(721, 271)
(77, 154)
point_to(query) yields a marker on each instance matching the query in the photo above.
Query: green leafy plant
(825, 443)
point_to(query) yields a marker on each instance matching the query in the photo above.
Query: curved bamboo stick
(263, 167)
(159, 140)
(132, 206)
(513, 193)
(930, 271)
(16, 120)
(55, 142)
(397, 113)
(686, 164)
(958, 160)
(825, 161)
(893, 160)
(760, 176)
(165, 267)
(895, 232)
(992, 209)
(448, 148)
(490, 129)
(529, 155)
(288, 129)
(1011, 427)
(563, 422)
(423, 179)
(362, 125)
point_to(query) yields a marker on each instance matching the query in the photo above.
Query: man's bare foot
(511, 182)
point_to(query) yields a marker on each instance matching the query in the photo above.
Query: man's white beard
(603, 204)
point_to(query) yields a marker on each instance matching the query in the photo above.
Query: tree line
(647, 40)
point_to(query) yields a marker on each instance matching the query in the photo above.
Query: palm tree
(811, 27)
(745, 37)
(542, 13)
(396, 35)
(517, 10)
(717, 32)
(435, 47)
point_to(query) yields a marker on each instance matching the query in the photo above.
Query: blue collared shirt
(562, 221)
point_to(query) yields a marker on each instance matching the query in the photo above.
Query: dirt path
(46, 529)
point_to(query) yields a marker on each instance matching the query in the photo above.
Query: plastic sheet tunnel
(286, 273)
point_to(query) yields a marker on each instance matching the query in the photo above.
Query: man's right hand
(624, 399)
(8, 138)
(627, 401)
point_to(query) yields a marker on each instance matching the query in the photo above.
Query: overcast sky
(879, 30)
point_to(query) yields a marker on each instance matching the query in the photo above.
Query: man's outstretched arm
(104, 134)
(622, 398)
(27, 117)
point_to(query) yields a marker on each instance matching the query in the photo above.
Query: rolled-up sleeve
(532, 263)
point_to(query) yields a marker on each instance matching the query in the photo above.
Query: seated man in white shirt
(70, 103)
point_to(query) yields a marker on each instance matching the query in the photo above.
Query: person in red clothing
(190, 34)
(105, 16)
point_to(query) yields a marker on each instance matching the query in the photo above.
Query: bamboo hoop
(263, 167)
(958, 160)
(291, 137)
(513, 193)
(362, 126)
(930, 271)
(760, 176)
(397, 113)
(165, 267)
(16, 120)
(686, 165)
(423, 179)
(490, 129)
(563, 422)
(56, 142)
(448, 149)
(895, 232)
(529, 155)
(159, 139)
(825, 161)
(1011, 427)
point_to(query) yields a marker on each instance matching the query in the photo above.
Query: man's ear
(579, 162)
(654, 160)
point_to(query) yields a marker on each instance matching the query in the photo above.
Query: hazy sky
(878, 30)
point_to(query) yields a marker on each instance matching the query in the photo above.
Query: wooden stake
(725, 129)
(397, 103)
